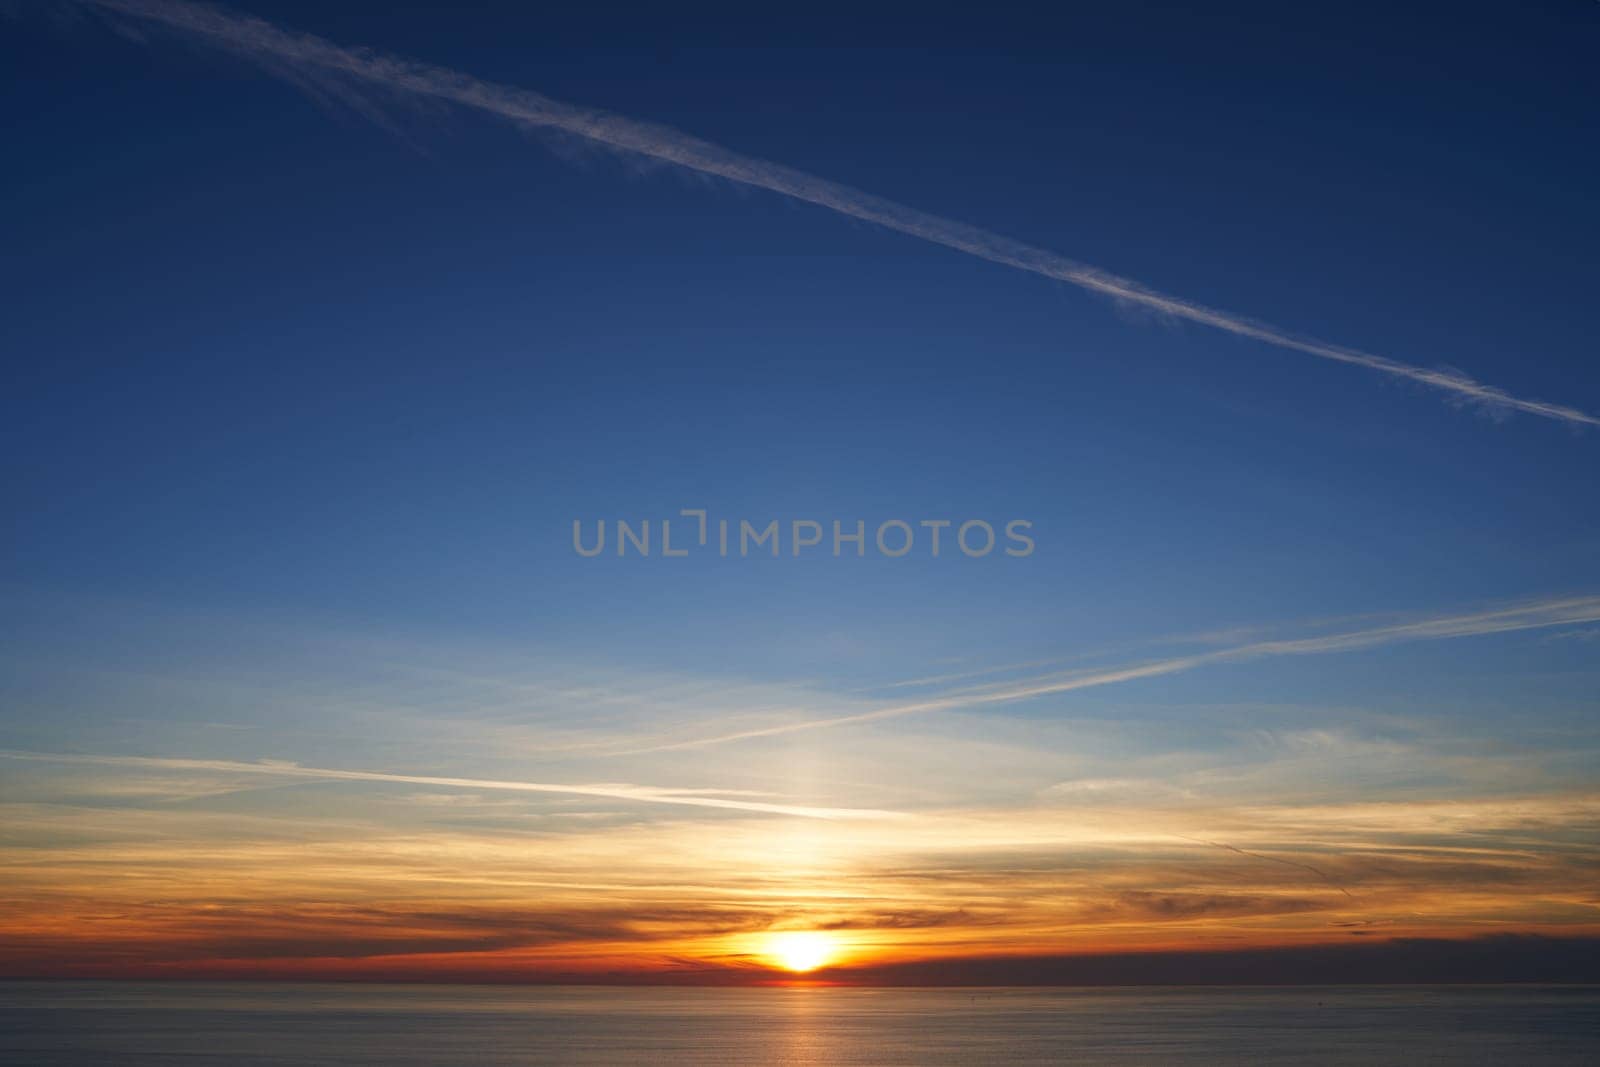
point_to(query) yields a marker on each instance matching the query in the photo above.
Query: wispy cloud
(302, 58)
(156, 888)
(1526, 615)
(706, 798)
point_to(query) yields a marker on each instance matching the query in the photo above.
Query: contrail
(278, 768)
(262, 40)
(1527, 615)
(1318, 871)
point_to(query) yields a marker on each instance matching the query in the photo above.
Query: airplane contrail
(1318, 871)
(262, 40)
(610, 791)
(1525, 615)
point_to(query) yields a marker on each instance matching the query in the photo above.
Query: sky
(1270, 328)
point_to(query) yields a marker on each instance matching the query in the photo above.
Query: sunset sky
(313, 367)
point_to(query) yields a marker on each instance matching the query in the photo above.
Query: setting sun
(800, 950)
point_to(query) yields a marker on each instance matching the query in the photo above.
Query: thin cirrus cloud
(705, 798)
(302, 58)
(1525, 615)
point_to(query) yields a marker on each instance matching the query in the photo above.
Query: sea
(191, 1023)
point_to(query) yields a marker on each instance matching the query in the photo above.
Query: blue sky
(302, 402)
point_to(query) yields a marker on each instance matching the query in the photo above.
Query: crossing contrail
(702, 798)
(1318, 871)
(295, 55)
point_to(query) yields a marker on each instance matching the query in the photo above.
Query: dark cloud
(158, 934)
(1508, 958)
(1494, 959)
(1153, 905)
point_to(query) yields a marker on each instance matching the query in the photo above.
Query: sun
(800, 950)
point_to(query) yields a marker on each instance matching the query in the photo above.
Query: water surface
(80, 1023)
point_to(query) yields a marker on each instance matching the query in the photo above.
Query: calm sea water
(397, 1026)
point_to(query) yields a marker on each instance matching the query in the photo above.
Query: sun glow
(800, 950)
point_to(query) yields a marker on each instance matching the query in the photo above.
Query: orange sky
(136, 870)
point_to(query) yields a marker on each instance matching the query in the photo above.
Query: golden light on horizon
(801, 950)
